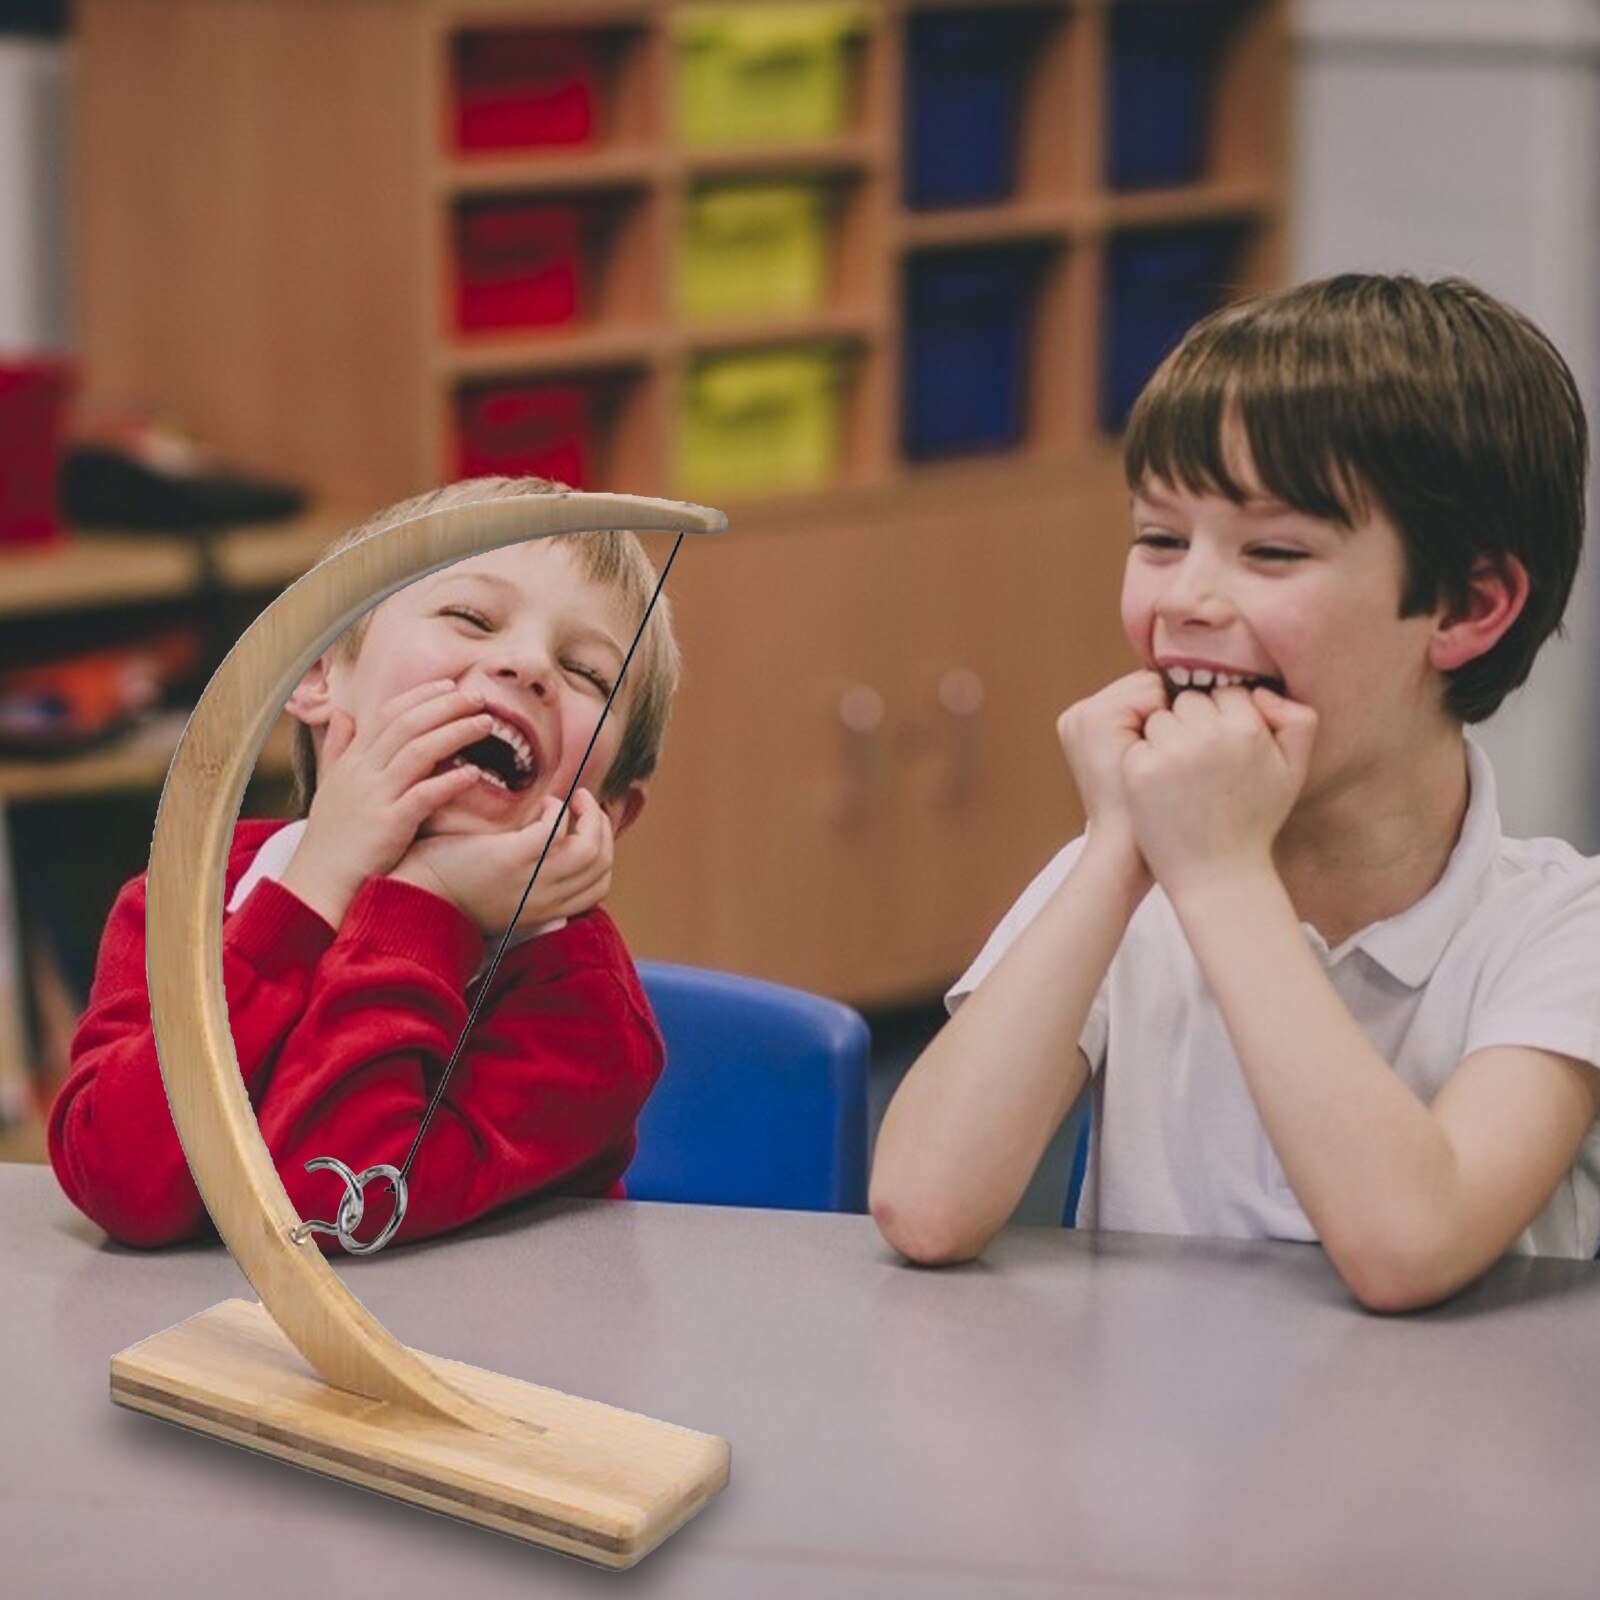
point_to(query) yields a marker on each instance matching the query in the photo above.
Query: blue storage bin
(1163, 63)
(1157, 285)
(968, 318)
(964, 74)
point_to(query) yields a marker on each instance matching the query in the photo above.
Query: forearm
(1367, 1160)
(968, 1125)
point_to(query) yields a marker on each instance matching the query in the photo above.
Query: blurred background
(878, 278)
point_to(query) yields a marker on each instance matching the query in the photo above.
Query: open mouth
(504, 756)
(1178, 679)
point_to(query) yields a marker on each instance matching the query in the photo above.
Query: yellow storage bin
(753, 250)
(764, 74)
(761, 424)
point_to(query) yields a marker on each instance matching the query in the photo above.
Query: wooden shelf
(272, 554)
(860, 154)
(559, 351)
(858, 327)
(1091, 216)
(979, 225)
(97, 569)
(1205, 202)
(598, 169)
(546, 13)
(139, 760)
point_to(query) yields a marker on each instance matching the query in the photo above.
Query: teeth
(484, 774)
(1205, 678)
(519, 745)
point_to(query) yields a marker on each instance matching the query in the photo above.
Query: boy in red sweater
(437, 738)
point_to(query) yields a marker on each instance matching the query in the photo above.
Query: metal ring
(353, 1207)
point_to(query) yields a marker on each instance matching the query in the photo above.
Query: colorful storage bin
(1163, 65)
(765, 74)
(523, 88)
(517, 264)
(1157, 285)
(520, 427)
(969, 314)
(964, 88)
(761, 424)
(753, 250)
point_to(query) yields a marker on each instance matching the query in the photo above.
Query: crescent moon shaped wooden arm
(322, 1318)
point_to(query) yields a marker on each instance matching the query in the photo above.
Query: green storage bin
(762, 424)
(764, 74)
(753, 250)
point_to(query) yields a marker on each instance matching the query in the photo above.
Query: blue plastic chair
(764, 1098)
(1080, 1166)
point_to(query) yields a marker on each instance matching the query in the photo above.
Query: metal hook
(354, 1207)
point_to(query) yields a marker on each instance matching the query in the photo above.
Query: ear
(311, 702)
(625, 812)
(1498, 592)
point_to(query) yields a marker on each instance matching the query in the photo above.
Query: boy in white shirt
(1322, 997)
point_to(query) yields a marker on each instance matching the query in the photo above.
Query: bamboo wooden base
(572, 1475)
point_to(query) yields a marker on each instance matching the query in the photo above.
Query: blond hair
(613, 559)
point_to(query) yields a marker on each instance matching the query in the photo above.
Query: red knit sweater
(341, 1038)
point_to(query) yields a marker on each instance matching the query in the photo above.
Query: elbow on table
(127, 1207)
(924, 1233)
(139, 1230)
(1392, 1273)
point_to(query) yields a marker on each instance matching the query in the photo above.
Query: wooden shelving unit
(862, 771)
(112, 570)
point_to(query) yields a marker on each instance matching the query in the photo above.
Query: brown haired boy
(1323, 997)
(437, 739)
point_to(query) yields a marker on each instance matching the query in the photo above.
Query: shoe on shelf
(148, 473)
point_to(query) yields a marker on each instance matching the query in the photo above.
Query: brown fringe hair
(1435, 402)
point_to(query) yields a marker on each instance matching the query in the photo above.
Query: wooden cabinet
(863, 768)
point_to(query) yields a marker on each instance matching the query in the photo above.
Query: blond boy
(437, 739)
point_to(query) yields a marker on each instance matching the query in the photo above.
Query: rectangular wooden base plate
(573, 1475)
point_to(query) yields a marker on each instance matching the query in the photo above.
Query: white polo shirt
(1503, 950)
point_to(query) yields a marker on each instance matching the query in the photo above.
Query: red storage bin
(516, 428)
(33, 397)
(523, 88)
(517, 264)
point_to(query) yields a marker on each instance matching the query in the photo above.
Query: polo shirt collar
(1409, 944)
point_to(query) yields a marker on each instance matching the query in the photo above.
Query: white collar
(1409, 944)
(270, 861)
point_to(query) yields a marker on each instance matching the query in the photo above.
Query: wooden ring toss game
(309, 1374)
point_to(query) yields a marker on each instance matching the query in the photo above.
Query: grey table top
(1074, 1416)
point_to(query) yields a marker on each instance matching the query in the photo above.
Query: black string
(505, 938)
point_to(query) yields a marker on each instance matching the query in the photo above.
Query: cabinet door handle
(961, 696)
(861, 714)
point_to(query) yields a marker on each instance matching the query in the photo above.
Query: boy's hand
(376, 787)
(1214, 780)
(484, 874)
(1096, 735)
